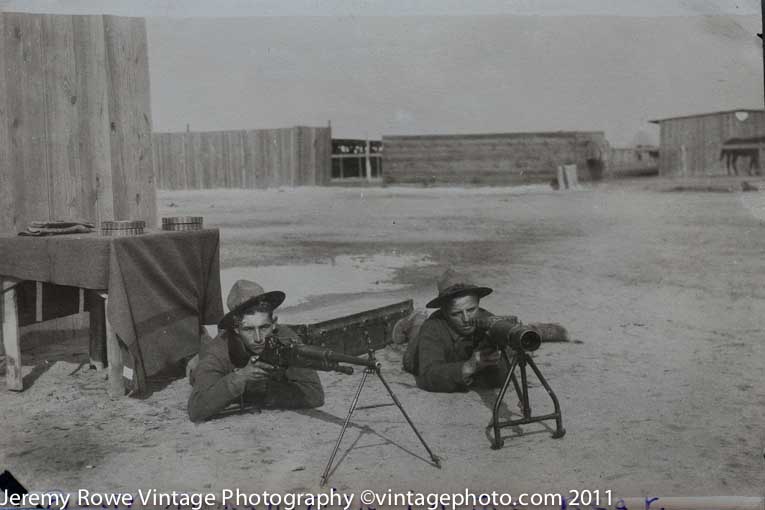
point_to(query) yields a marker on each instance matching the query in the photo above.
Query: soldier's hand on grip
(257, 371)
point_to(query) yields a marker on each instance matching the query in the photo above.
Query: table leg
(97, 331)
(10, 335)
(114, 358)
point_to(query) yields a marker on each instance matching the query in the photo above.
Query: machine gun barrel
(506, 332)
(329, 356)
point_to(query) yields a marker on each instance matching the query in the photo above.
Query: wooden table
(149, 293)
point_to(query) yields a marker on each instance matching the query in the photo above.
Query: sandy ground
(664, 396)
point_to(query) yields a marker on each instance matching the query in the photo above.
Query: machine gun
(515, 341)
(288, 352)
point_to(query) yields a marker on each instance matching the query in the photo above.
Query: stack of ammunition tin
(182, 223)
(122, 228)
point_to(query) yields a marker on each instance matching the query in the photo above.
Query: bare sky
(237, 8)
(397, 67)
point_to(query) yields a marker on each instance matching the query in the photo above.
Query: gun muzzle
(506, 333)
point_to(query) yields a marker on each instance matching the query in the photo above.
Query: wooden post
(114, 357)
(10, 335)
(368, 164)
(562, 182)
(38, 302)
(572, 179)
(683, 161)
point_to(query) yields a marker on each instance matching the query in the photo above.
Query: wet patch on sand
(342, 274)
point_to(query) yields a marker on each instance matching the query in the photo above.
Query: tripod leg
(355, 402)
(433, 456)
(525, 386)
(498, 442)
(518, 390)
(559, 430)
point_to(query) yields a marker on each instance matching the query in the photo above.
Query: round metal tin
(182, 223)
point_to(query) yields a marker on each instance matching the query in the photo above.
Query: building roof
(520, 134)
(748, 110)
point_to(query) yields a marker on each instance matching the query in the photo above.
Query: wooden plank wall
(256, 158)
(702, 137)
(133, 187)
(489, 159)
(75, 120)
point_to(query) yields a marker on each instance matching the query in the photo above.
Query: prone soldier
(229, 369)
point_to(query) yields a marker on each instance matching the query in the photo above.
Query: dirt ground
(664, 395)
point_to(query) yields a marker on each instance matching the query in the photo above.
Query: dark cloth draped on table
(167, 284)
(77, 260)
(160, 286)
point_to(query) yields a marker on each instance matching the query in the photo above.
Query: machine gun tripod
(521, 358)
(515, 341)
(372, 366)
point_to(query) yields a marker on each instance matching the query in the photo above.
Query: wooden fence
(259, 158)
(75, 120)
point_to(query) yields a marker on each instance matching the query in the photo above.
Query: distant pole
(369, 163)
(762, 40)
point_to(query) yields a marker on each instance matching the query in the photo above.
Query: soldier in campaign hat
(448, 354)
(225, 373)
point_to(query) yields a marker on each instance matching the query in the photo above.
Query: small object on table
(57, 227)
(182, 223)
(122, 228)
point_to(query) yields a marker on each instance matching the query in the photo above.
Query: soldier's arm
(215, 387)
(436, 373)
(299, 388)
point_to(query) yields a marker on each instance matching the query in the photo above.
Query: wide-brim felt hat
(452, 285)
(247, 296)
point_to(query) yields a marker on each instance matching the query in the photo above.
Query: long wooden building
(716, 143)
(493, 159)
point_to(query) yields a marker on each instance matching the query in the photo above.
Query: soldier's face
(254, 329)
(459, 311)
